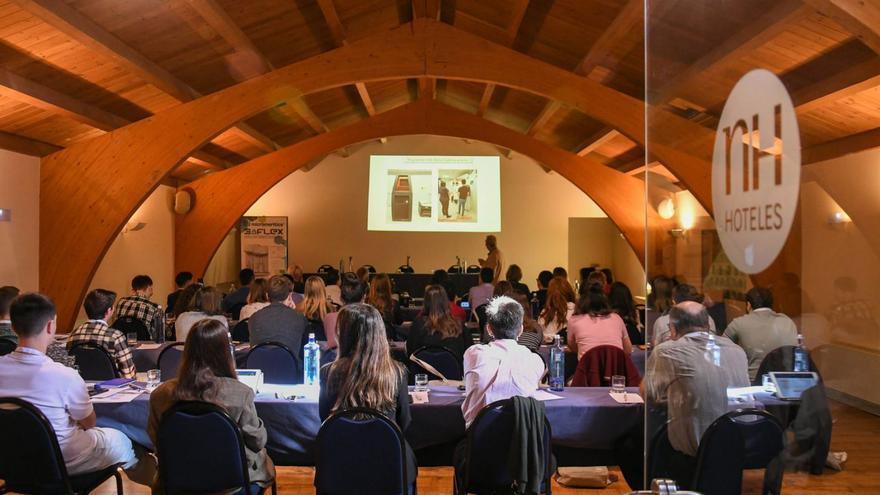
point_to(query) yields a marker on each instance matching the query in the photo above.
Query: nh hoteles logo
(756, 171)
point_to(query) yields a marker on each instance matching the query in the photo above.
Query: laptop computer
(791, 384)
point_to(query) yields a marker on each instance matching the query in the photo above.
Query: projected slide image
(434, 193)
(457, 195)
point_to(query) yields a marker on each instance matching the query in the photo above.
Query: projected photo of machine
(401, 199)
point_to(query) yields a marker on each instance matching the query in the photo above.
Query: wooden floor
(855, 432)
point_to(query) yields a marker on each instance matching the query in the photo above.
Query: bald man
(690, 374)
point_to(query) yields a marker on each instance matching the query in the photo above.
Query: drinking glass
(132, 339)
(421, 382)
(154, 377)
(618, 384)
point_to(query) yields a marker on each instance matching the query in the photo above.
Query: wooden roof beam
(543, 117)
(25, 145)
(860, 17)
(756, 34)
(428, 88)
(605, 135)
(516, 18)
(69, 21)
(860, 72)
(426, 8)
(843, 146)
(209, 161)
(226, 27)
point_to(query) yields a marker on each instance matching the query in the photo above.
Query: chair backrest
(6, 346)
(130, 324)
(442, 359)
(325, 268)
(278, 363)
(94, 362)
(405, 269)
(169, 361)
(473, 269)
(720, 458)
(763, 436)
(780, 359)
(200, 450)
(599, 364)
(240, 332)
(486, 450)
(30, 457)
(454, 269)
(360, 451)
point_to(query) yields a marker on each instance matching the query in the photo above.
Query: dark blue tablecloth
(585, 418)
(148, 359)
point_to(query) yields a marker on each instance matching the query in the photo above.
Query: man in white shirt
(479, 295)
(61, 394)
(681, 293)
(502, 368)
(762, 330)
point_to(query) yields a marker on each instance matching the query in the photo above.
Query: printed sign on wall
(756, 171)
(264, 245)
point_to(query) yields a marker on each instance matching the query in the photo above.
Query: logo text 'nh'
(757, 153)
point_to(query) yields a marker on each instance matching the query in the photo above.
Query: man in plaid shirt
(95, 331)
(138, 305)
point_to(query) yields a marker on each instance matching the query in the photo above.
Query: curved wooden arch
(89, 190)
(222, 198)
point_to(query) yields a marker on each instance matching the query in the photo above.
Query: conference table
(583, 418)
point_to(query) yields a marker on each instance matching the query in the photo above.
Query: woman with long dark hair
(380, 298)
(436, 326)
(557, 310)
(621, 300)
(364, 374)
(595, 324)
(207, 373)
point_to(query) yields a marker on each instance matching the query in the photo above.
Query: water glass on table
(421, 382)
(154, 378)
(132, 338)
(618, 384)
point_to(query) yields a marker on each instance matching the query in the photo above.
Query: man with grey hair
(690, 375)
(502, 368)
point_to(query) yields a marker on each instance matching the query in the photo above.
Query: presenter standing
(493, 260)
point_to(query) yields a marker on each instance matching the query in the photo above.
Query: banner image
(263, 243)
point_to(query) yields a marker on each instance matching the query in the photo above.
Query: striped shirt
(96, 332)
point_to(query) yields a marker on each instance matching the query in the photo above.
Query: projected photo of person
(457, 187)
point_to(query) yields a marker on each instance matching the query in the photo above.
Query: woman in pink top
(594, 324)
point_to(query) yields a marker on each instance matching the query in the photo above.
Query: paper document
(419, 397)
(543, 395)
(149, 347)
(117, 395)
(734, 392)
(626, 398)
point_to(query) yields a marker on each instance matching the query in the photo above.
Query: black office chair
(442, 359)
(278, 363)
(169, 361)
(325, 268)
(241, 332)
(780, 359)
(361, 451)
(6, 346)
(30, 457)
(454, 269)
(742, 439)
(94, 362)
(405, 269)
(473, 269)
(486, 469)
(201, 450)
(370, 268)
(130, 324)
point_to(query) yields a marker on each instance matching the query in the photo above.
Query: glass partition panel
(763, 221)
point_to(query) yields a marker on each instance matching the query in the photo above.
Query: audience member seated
(235, 300)
(660, 298)
(139, 306)
(380, 298)
(364, 274)
(621, 300)
(560, 272)
(540, 294)
(502, 368)
(480, 294)
(609, 276)
(258, 298)
(762, 329)
(7, 295)
(333, 289)
(352, 291)
(314, 306)
(298, 275)
(557, 310)
(207, 374)
(680, 293)
(205, 304)
(457, 313)
(694, 403)
(595, 277)
(96, 331)
(365, 375)
(532, 334)
(61, 395)
(514, 275)
(594, 324)
(182, 280)
(279, 322)
(437, 327)
(295, 296)
(185, 299)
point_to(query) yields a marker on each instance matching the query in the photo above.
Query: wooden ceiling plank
(516, 19)
(485, 99)
(860, 17)
(839, 147)
(541, 120)
(209, 161)
(428, 88)
(40, 96)
(629, 18)
(248, 133)
(426, 8)
(365, 98)
(226, 27)
(756, 34)
(26, 146)
(597, 140)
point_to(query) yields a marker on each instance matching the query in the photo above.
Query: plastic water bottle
(312, 362)
(801, 356)
(557, 365)
(713, 350)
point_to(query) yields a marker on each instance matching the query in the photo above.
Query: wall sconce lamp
(839, 217)
(666, 209)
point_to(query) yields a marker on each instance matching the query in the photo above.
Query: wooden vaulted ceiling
(71, 70)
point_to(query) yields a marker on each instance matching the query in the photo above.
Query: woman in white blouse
(258, 298)
(205, 305)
